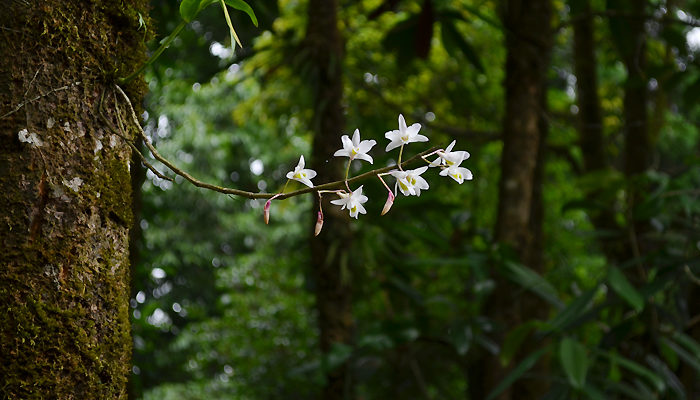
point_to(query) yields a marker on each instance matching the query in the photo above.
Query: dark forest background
(568, 268)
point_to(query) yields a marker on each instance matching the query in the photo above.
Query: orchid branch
(251, 195)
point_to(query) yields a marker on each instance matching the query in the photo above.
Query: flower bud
(319, 224)
(388, 204)
(266, 212)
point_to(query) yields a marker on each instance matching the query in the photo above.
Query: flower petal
(310, 173)
(419, 138)
(366, 145)
(419, 171)
(342, 153)
(413, 129)
(366, 157)
(393, 135)
(340, 202)
(402, 124)
(347, 143)
(394, 144)
(450, 147)
(356, 138)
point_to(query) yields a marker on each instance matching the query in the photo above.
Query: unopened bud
(319, 224)
(266, 212)
(388, 204)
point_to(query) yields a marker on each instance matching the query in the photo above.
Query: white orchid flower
(353, 202)
(459, 174)
(302, 174)
(410, 182)
(450, 158)
(355, 148)
(404, 135)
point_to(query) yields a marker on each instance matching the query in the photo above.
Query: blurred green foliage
(223, 304)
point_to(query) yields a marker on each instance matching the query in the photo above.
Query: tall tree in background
(66, 205)
(528, 33)
(332, 277)
(591, 136)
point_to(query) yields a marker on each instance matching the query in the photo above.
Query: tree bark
(332, 276)
(65, 208)
(519, 222)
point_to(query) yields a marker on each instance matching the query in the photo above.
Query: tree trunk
(519, 222)
(66, 202)
(332, 276)
(591, 131)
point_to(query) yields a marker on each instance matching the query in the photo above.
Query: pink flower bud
(266, 211)
(388, 204)
(319, 224)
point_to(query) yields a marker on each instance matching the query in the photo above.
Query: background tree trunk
(519, 223)
(591, 134)
(66, 204)
(332, 276)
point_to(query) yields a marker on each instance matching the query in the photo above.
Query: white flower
(410, 182)
(459, 174)
(404, 135)
(355, 148)
(450, 158)
(301, 174)
(353, 202)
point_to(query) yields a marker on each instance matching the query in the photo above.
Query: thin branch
(252, 195)
(22, 104)
(134, 148)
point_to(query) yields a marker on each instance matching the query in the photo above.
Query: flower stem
(166, 43)
(383, 183)
(400, 154)
(347, 171)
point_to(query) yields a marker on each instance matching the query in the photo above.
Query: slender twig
(123, 135)
(22, 104)
(252, 195)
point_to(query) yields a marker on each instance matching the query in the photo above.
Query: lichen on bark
(65, 208)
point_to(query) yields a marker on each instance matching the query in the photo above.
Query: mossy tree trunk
(332, 277)
(65, 207)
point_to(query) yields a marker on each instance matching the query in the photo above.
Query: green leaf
(531, 280)
(517, 372)
(625, 289)
(637, 369)
(690, 359)
(453, 40)
(237, 4)
(593, 393)
(514, 340)
(688, 342)
(189, 9)
(573, 311)
(572, 356)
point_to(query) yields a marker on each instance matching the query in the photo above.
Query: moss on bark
(65, 208)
